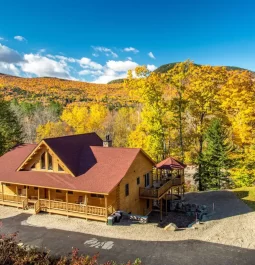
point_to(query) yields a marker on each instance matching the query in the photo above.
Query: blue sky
(97, 41)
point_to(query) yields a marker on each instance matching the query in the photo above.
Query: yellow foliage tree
(53, 129)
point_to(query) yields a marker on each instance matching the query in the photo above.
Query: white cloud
(151, 67)
(95, 54)
(131, 49)
(8, 55)
(91, 72)
(87, 63)
(121, 66)
(42, 50)
(20, 38)
(151, 55)
(43, 66)
(129, 58)
(1, 38)
(109, 76)
(106, 51)
(9, 68)
(115, 70)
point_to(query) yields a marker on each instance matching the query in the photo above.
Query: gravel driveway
(232, 224)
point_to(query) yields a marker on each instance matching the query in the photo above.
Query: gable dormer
(44, 159)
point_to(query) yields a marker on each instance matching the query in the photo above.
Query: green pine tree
(10, 129)
(215, 160)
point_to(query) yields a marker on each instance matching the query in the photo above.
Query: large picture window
(50, 167)
(43, 161)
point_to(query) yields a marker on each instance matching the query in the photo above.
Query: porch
(69, 203)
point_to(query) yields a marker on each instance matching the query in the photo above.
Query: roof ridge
(73, 135)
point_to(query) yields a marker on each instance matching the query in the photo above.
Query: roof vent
(107, 142)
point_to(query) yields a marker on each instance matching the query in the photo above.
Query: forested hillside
(58, 90)
(202, 115)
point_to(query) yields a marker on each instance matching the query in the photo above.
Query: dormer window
(43, 164)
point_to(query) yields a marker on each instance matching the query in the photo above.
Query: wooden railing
(25, 204)
(156, 193)
(37, 207)
(69, 208)
(13, 198)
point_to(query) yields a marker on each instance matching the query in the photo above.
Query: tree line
(201, 115)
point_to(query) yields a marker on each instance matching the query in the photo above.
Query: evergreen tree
(10, 129)
(214, 160)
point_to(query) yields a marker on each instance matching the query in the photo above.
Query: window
(70, 192)
(60, 168)
(43, 161)
(33, 166)
(35, 188)
(127, 189)
(49, 162)
(97, 195)
(138, 181)
(58, 191)
(147, 179)
(148, 204)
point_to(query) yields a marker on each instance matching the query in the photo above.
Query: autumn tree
(85, 119)
(149, 134)
(177, 80)
(205, 83)
(53, 129)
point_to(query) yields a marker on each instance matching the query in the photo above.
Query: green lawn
(247, 195)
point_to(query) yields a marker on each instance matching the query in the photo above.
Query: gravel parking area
(232, 224)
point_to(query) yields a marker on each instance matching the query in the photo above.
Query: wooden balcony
(158, 192)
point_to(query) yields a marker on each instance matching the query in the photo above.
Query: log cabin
(84, 176)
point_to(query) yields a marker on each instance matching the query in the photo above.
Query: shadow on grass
(247, 196)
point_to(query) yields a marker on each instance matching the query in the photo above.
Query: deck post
(166, 203)
(26, 192)
(161, 210)
(67, 201)
(106, 207)
(2, 191)
(49, 198)
(86, 209)
(38, 194)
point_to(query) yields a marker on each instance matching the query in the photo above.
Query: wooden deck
(158, 192)
(63, 208)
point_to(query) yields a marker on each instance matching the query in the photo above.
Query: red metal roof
(170, 163)
(99, 169)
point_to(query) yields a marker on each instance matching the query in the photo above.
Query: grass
(247, 195)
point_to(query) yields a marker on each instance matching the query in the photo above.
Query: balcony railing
(157, 192)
